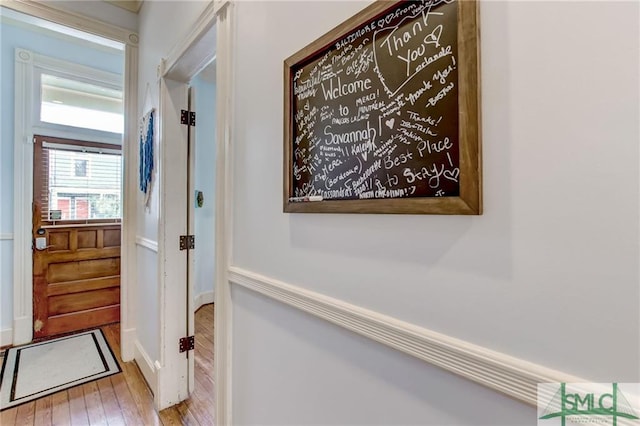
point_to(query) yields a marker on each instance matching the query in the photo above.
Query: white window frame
(71, 71)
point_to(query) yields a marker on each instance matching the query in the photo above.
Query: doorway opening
(201, 217)
(75, 83)
(77, 213)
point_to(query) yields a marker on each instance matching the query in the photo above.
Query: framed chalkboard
(382, 113)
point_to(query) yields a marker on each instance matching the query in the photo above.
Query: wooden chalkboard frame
(469, 202)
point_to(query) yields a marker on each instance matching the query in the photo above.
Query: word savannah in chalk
(368, 134)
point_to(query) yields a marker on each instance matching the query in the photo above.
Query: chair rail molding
(511, 376)
(147, 243)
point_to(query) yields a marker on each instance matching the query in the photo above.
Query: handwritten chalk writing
(392, 163)
(386, 147)
(363, 149)
(394, 106)
(411, 135)
(394, 15)
(441, 75)
(414, 96)
(361, 64)
(413, 55)
(306, 85)
(354, 136)
(417, 117)
(297, 171)
(371, 107)
(428, 60)
(345, 89)
(327, 73)
(366, 98)
(434, 147)
(341, 120)
(337, 193)
(343, 175)
(341, 54)
(441, 94)
(368, 172)
(394, 42)
(418, 126)
(326, 113)
(375, 114)
(355, 35)
(432, 174)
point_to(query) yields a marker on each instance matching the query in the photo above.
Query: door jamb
(184, 62)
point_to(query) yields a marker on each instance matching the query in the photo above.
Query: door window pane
(77, 180)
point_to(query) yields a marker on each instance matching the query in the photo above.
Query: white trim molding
(511, 376)
(6, 237)
(73, 20)
(23, 196)
(225, 58)
(127, 343)
(6, 337)
(194, 52)
(147, 243)
(146, 366)
(203, 299)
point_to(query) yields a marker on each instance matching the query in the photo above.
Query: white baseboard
(203, 299)
(6, 337)
(146, 366)
(511, 376)
(127, 344)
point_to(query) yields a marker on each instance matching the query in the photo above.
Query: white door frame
(23, 179)
(188, 58)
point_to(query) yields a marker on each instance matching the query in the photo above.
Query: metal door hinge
(187, 343)
(187, 117)
(187, 242)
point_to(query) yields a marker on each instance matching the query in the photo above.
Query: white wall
(205, 160)
(548, 274)
(161, 25)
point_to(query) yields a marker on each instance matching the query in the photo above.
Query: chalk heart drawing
(390, 122)
(452, 174)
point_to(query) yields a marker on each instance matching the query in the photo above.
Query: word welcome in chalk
(345, 89)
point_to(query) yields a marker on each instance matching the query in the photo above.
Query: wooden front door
(76, 260)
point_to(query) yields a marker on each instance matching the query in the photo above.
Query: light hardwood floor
(125, 399)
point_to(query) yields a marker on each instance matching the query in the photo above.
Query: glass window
(75, 103)
(77, 180)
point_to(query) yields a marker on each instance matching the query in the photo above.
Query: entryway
(77, 211)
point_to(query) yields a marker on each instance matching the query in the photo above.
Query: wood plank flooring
(125, 399)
